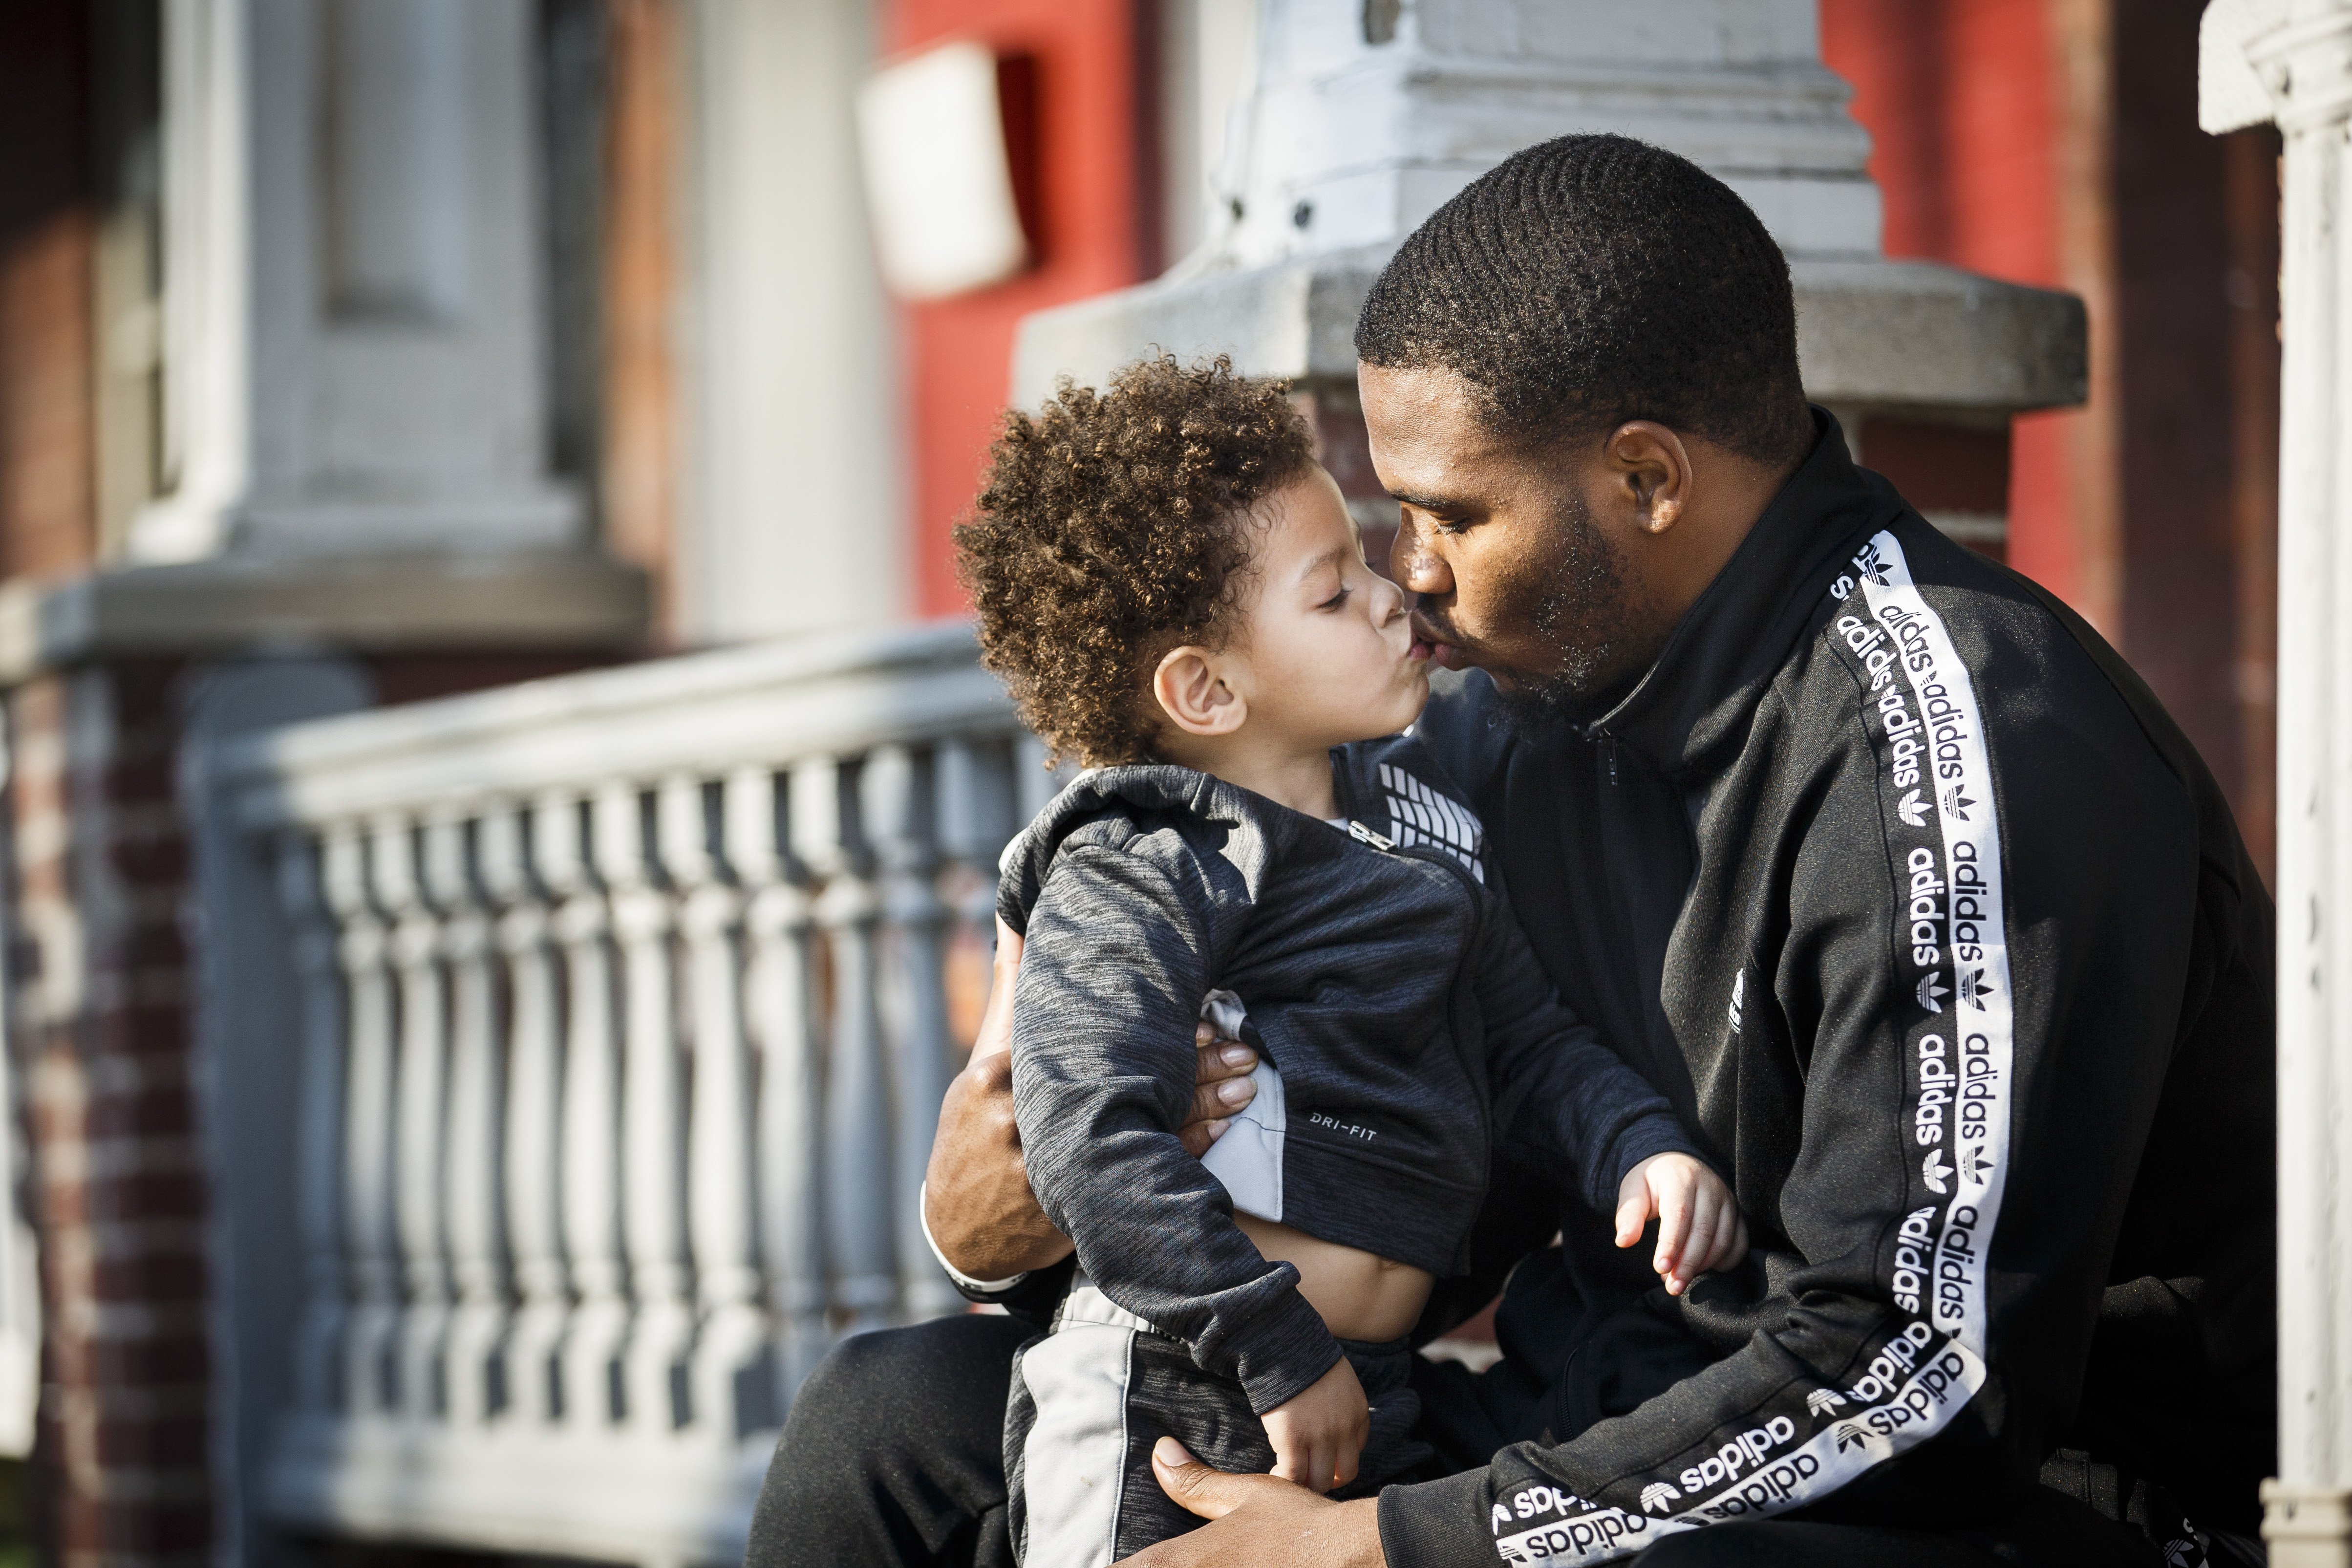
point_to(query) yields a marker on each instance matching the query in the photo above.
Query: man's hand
(976, 1189)
(1318, 1433)
(1258, 1520)
(1699, 1224)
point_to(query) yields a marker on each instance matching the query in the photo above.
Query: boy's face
(1326, 650)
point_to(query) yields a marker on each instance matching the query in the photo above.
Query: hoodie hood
(1241, 825)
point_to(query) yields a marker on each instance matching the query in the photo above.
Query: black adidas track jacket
(1940, 938)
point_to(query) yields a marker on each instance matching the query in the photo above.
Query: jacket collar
(1730, 644)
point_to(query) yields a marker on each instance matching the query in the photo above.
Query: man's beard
(1587, 618)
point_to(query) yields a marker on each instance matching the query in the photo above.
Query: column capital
(2305, 67)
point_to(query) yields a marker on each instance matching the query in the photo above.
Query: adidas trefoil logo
(1657, 1495)
(1956, 803)
(1738, 995)
(1976, 1166)
(1823, 1399)
(1973, 989)
(1937, 1174)
(1850, 1435)
(1932, 991)
(1912, 810)
(1867, 563)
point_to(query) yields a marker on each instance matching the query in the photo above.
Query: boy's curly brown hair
(1110, 529)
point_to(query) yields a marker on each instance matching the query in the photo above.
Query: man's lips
(1431, 641)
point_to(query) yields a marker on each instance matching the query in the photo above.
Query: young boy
(1173, 588)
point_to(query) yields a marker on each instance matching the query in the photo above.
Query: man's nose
(1418, 568)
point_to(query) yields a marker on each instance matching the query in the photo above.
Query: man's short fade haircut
(1593, 279)
(1110, 530)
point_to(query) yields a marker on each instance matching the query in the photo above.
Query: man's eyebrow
(1429, 502)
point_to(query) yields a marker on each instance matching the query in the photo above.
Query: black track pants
(894, 1455)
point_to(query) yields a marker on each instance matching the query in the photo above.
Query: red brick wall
(105, 1040)
(100, 1005)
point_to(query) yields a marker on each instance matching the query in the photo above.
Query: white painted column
(796, 456)
(653, 1122)
(366, 1115)
(592, 1114)
(781, 979)
(356, 283)
(728, 1387)
(475, 1378)
(418, 1105)
(2291, 62)
(534, 1080)
(319, 1347)
(860, 1228)
(894, 799)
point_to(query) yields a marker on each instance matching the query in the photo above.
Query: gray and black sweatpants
(1092, 1396)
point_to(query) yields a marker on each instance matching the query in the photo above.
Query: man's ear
(1194, 690)
(1655, 470)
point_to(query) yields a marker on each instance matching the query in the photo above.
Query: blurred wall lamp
(941, 174)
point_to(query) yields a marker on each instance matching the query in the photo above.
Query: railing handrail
(734, 707)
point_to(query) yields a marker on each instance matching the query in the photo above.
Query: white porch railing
(626, 1018)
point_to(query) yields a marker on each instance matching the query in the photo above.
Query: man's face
(1505, 545)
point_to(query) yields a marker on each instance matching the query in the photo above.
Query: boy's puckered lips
(1435, 640)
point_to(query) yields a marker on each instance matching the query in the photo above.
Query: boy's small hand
(1699, 1224)
(1318, 1433)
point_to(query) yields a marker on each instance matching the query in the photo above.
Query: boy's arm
(983, 1218)
(1565, 1103)
(1103, 1062)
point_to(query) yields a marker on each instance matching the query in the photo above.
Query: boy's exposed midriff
(1360, 1295)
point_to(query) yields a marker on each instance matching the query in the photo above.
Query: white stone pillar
(356, 292)
(1366, 118)
(357, 430)
(796, 452)
(2289, 61)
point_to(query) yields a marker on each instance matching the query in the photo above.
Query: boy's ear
(1193, 690)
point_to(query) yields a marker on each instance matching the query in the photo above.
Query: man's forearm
(976, 1199)
(983, 1216)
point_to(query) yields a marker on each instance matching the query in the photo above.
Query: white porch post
(2289, 61)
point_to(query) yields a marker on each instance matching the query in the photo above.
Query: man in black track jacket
(1873, 857)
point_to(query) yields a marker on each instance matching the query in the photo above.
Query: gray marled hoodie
(1384, 977)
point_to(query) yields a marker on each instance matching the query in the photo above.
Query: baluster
(791, 1105)
(368, 1114)
(534, 1090)
(592, 1109)
(975, 795)
(894, 813)
(730, 1380)
(859, 1239)
(475, 1380)
(319, 1342)
(653, 1192)
(420, 1096)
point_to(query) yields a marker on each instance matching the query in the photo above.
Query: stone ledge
(1870, 331)
(391, 603)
